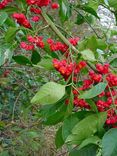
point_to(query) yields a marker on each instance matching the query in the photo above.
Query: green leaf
(35, 58)
(3, 17)
(46, 63)
(90, 10)
(113, 3)
(10, 34)
(109, 143)
(58, 138)
(86, 128)
(49, 93)
(88, 55)
(10, 9)
(89, 150)
(92, 105)
(114, 63)
(6, 52)
(65, 10)
(20, 59)
(68, 125)
(94, 91)
(80, 19)
(91, 140)
(55, 117)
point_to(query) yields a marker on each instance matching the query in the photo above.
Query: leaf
(46, 63)
(91, 140)
(90, 150)
(11, 33)
(35, 58)
(90, 10)
(113, 3)
(92, 105)
(94, 91)
(6, 52)
(64, 11)
(58, 138)
(86, 128)
(55, 117)
(49, 93)
(88, 55)
(68, 125)
(114, 63)
(3, 17)
(80, 19)
(109, 143)
(10, 9)
(20, 59)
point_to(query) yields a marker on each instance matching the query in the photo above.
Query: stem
(61, 36)
(88, 23)
(56, 30)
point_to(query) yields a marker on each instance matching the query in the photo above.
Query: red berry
(55, 5)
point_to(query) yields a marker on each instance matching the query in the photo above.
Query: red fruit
(26, 46)
(6, 73)
(21, 19)
(35, 10)
(35, 18)
(55, 5)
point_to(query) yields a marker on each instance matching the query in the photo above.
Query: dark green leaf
(90, 10)
(65, 10)
(55, 117)
(80, 19)
(114, 63)
(35, 58)
(59, 139)
(20, 59)
(68, 125)
(10, 34)
(92, 105)
(89, 150)
(113, 3)
(109, 143)
(3, 17)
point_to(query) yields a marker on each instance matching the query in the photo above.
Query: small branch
(14, 106)
(88, 23)
(55, 29)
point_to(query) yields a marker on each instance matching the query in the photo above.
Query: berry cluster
(39, 3)
(21, 19)
(80, 103)
(66, 69)
(34, 8)
(106, 101)
(112, 79)
(59, 46)
(26, 46)
(4, 3)
(54, 46)
(103, 69)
